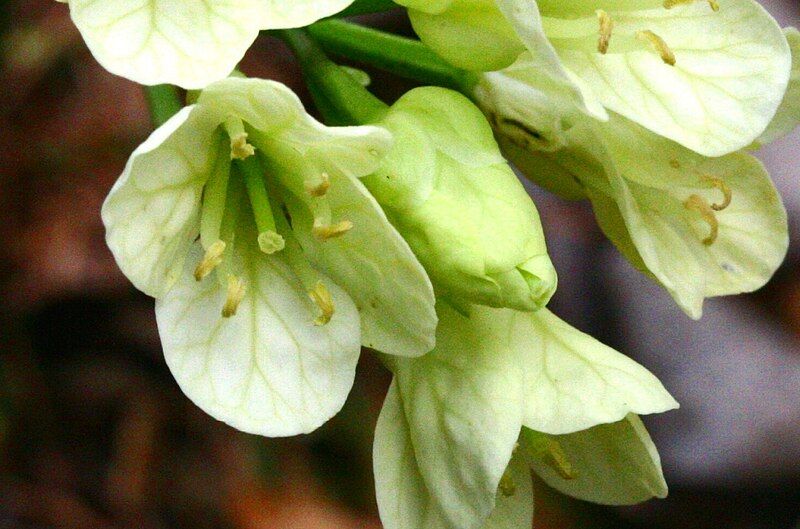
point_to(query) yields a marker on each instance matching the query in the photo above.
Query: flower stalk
(163, 102)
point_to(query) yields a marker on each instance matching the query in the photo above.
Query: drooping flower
(701, 227)
(450, 193)
(184, 42)
(270, 262)
(452, 421)
(708, 76)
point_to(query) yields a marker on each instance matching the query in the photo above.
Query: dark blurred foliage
(94, 432)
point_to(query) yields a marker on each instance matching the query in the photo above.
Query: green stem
(163, 102)
(341, 92)
(364, 7)
(253, 178)
(401, 56)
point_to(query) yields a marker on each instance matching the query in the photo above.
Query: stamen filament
(210, 261)
(269, 239)
(235, 295)
(701, 206)
(606, 27)
(659, 44)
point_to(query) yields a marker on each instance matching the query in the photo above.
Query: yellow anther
(236, 291)
(669, 4)
(606, 27)
(700, 205)
(210, 261)
(558, 461)
(324, 232)
(659, 44)
(270, 242)
(322, 298)
(318, 189)
(727, 194)
(507, 485)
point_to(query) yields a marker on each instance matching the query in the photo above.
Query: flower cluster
(276, 246)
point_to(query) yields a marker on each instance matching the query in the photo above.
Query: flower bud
(450, 193)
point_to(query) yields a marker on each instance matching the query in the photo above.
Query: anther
(669, 4)
(659, 44)
(323, 300)
(558, 461)
(324, 232)
(271, 242)
(606, 27)
(318, 189)
(701, 206)
(727, 194)
(507, 485)
(236, 291)
(240, 149)
(210, 261)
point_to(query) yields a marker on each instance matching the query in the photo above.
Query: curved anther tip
(321, 297)
(727, 193)
(235, 295)
(320, 188)
(330, 231)
(700, 205)
(211, 260)
(660, 45)
(606, 28)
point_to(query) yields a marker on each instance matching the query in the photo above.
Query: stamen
(240, 149)
(701, 206)
(727, 194)
(236, 292)
(606, 27)
(271, 242)
(210, 261)
(319, 189)
(507, 485)
(659, 44)
(669, 4)
(322, 298)
(324, 232)
(558, 461)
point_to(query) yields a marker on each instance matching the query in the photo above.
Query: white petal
(268, 369)
(788, 115)
(151, 213)
(614, 464)
(574, 382)
(190, 43)
(730, 76)
(277, 14)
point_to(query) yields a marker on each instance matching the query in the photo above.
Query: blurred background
(94, 432)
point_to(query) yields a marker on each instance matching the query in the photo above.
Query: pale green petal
(613, 464)
(514, 508)
(375, 265)
(462, 407)
(276, 14)
(651, 194)
(788, 116)
(573, 382)
(730, 76)
(151, 214)
(575, 8)
(182, 42)
(269, 369)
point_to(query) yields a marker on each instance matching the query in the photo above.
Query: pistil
(269, 240)
(240, 148)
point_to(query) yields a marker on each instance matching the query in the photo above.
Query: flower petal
(182, 42)
(151, 214)
(276, 14)
(573, 382)
(269, 369)
(615, 464)
(787, 118)
(730, 76)
(461, 405)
